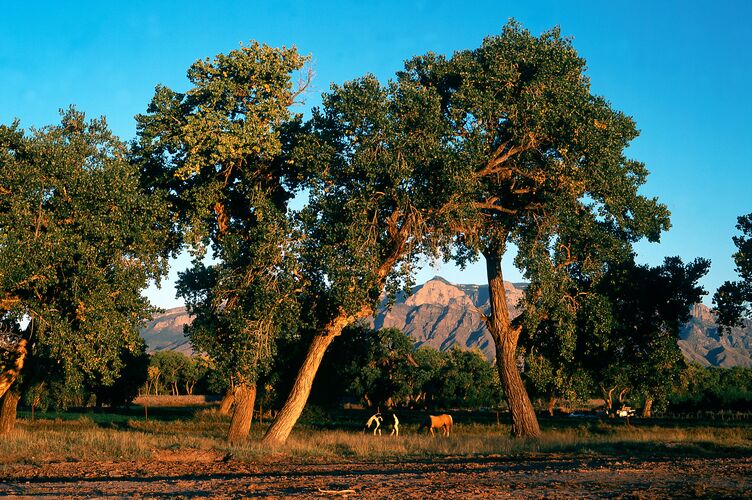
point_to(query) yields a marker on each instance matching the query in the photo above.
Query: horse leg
(431, 429)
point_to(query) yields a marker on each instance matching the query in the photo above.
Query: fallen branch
(336, 492)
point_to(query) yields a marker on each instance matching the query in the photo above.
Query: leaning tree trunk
(647, 410)
(8, 405)
(524, 421)
(227, 400)
(282, 425)
(240, 425)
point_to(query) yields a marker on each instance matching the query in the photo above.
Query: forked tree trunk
(608, 399)
(282, 425)
(240, 425)
(8, 405)
(551, 405)
(524, 421)
(647, 410)
(227, 400)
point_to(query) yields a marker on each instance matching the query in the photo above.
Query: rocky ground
(189, 474)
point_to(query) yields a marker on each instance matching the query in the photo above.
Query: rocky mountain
(701, 342)
(440, 315)
(165, 332)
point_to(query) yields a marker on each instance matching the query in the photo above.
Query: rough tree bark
(647, 410)
(240, 425)
(8, 404)
(524, 421)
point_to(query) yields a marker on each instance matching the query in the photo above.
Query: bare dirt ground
(187, 474)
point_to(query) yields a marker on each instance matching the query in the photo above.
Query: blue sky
(681, 69)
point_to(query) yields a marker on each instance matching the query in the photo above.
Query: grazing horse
(443, 422)
(375, 420)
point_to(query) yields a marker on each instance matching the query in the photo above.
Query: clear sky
(682, 69)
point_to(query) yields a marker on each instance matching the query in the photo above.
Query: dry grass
(83, 439)
(491, 440)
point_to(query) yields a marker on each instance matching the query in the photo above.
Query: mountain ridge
(440, 314)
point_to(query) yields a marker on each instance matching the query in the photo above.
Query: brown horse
(443, 422)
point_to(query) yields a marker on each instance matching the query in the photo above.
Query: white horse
(395, 426)
(376, 420)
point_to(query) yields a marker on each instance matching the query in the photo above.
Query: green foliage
(532, 157)
(734, 298)
(466, 380)
(646, 307)
(535, 157)
(383, 368)
(371, 150)
(79, 240)
(712, 389)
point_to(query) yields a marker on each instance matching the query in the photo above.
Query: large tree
(629, 330)
(221, 149)
(734, 298)
(372, 149)
(79, 240)
(536, 160)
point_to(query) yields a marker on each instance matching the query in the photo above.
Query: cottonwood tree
(537, 161)
(371, 149)
(220, 149)
(733, 299)
(79, 240)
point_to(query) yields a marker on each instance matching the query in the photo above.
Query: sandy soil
(551, 476)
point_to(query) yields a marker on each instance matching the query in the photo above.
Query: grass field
(128, 435)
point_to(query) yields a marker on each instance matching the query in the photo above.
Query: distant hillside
(165, 332)
(441, 315)
(700, 341)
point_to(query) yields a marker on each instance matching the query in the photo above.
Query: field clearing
(182, 452)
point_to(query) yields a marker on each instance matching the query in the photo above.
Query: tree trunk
(524, 421)
(647, 410)
(10, 374)
(8, 404)
(285, 420)
(608, 399)
(240, 425)
(227, 401)
(551, 405)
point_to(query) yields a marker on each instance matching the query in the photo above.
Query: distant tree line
(384, 369)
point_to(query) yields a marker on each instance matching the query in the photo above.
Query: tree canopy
(79, 240)
(734, 298)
